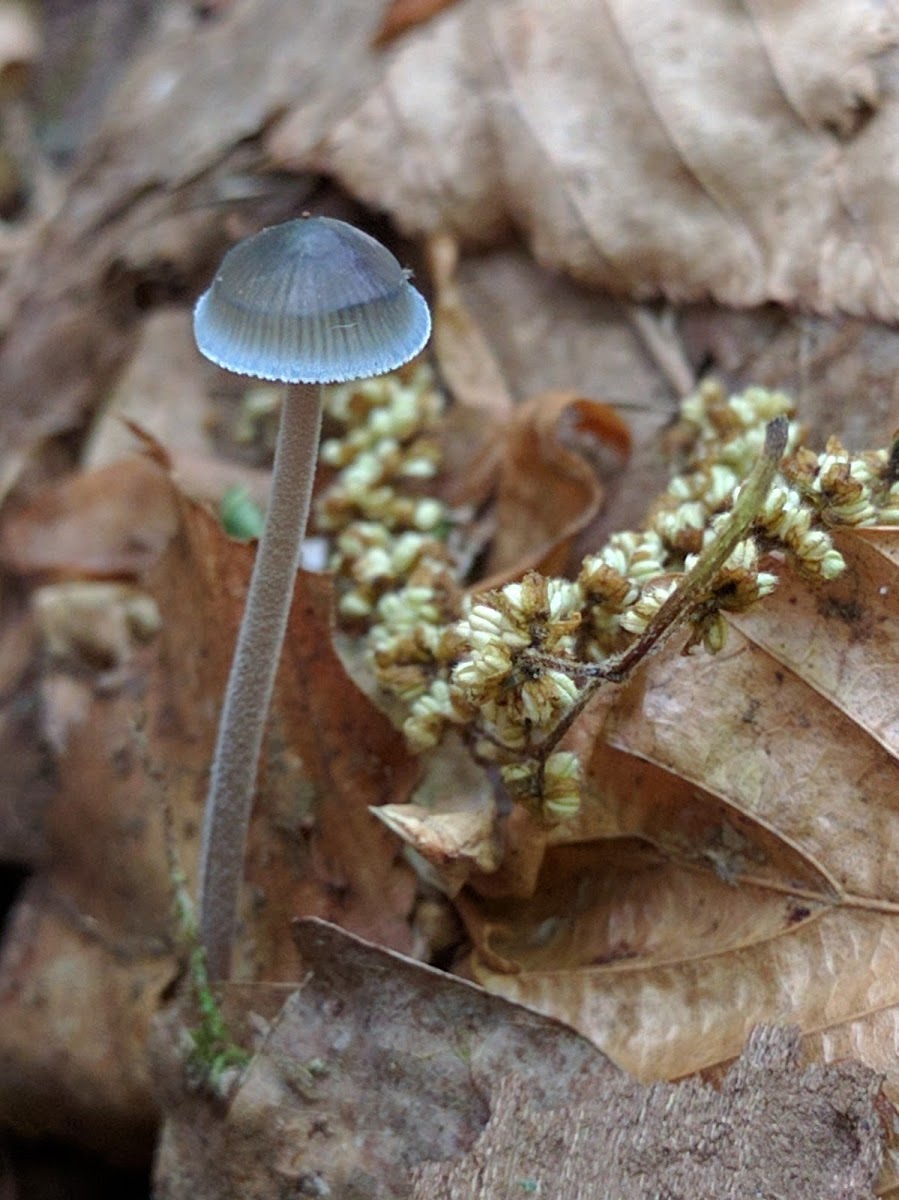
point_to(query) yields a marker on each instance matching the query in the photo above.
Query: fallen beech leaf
(798, 729)
(619, 903)
(765, 779)
(608, 137)
(832, 975)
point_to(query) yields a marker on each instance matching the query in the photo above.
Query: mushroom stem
(252, 679)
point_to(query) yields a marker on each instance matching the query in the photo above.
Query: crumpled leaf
(130, 756)
(537, 464)
(760, 784)
(545, 334)
(543, 450)
(378, 1069)
(637, 160)
(451, 822)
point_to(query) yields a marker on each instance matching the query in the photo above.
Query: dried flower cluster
(848, 489)
(388, 541)
(506, 666)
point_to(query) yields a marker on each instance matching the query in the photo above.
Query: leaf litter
(696, 902)
(580, 128)
(130, 756)
(614, 941)
(476, 1097)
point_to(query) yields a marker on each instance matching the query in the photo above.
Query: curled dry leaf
(548, 334)
(608, 136)
(451, 822)
(764, 779)
(548, 489)
(455, 841)
(130, 756)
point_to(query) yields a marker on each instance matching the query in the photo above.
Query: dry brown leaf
(25, 784)
(764, 779)
(468, 366)
(539, 470)
(548, 491)
(374, 1064)
(799, 726)
(455, 841)
(451, 822)
(130, 757)
(378, 1069)
(162, 389)
(842, 372)
(403, 15)
(108, 524)
(75, 1008)
(548, 334)
(637, 160)
(328, 756)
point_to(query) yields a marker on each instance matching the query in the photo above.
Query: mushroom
(309, 302)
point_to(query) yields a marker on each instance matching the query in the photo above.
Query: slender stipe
(252, 678)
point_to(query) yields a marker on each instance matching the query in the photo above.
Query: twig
(688, 595)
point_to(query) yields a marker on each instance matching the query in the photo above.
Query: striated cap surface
(311, 301)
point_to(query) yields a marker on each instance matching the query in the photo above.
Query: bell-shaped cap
(311, 301)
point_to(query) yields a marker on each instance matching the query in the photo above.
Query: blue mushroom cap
(311, 301)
